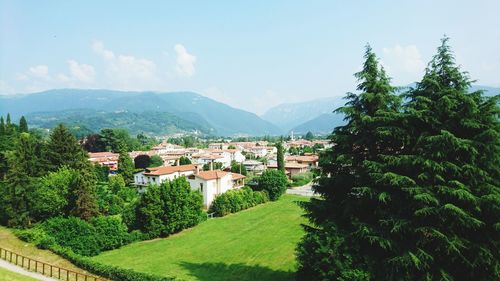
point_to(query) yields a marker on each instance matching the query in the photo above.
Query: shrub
(74, 233)
(110, 232)
(274, 182)
(301, 178)
(233, 201)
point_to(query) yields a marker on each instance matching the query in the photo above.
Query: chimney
(177, 162)
(212, 165)
(197, 167)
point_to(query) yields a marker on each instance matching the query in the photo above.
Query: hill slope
(205, 113)
(323, 124)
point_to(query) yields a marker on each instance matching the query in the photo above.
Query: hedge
(39, 238)
(236, 200)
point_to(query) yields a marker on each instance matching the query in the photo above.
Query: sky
(251, 55)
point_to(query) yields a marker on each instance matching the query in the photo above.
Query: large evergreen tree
(64, 150)
(2, 126)
(23, 168)
(125, 165)
(421, 201)
(346, 218)
(23, 125)
(83, 200)
(280, 156)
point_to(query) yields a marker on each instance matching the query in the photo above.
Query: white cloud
(403, 63)
(185, 61)
(127, 72)
(5, 88)
(81, 72)
(40, 71)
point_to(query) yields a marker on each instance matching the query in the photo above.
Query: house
(254, 166)
(291, 168)
(310, 160)
(218, 145)
(210, 158)
(108, 159)
(213, 183)
(160, 174)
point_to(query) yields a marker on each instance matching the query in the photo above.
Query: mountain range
(159, 113)
(136, 111)
(317, 115)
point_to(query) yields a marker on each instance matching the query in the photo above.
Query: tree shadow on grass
(238, 271)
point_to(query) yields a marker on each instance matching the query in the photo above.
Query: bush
(111, 232)
(233, 201)
(301, 179)
(274, 182)
(74, 233)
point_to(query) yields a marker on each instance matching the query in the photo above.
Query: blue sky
(249, 54)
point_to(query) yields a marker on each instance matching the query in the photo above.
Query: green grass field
(6, 275)
(255, 244)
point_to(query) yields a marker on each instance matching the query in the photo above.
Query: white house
(160, 174)
(213, 183)
(254, 166)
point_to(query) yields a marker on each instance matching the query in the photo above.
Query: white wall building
(160, 174)
(213, 183)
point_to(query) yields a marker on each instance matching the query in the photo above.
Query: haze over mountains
(159, 113)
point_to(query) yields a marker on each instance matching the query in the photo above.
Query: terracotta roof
(290, 166)
(102, 154)
(165, 170)
(237, 176)
(211, 175)
(304, 158)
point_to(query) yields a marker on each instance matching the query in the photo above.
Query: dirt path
(20, 270)
(305, 190)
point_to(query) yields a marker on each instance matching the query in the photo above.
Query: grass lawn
(6, 275)
(10, 242)
(255, 244)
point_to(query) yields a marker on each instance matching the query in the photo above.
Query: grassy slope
(6, 275)
(255, 244)
(11, 242)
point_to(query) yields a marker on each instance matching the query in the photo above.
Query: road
(305, 190)
(20, 270)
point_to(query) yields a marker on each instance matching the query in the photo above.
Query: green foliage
(74, 233)
(111, 232)
(216, 166)
(156, 161)
(64, 150)
(23, 125)
(300, 179)
(309, 136)
(280, 157)
(126, 166)
(408, 193)
(169, 208)
(142, 161)
(238, 168)
(83, 197)
(274, 183)
(184, 160)
(101, 172)
(50, 198)
(233, 201)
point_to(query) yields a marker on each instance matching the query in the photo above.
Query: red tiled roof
(237, 176)
(165, 170)
(211, 175)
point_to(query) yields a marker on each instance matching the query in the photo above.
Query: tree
(412, 195)
(309, 136)
(215, 166)
(7, 122)
(238, 168)
(142, 161)
(23, 168)
(274, 182)
(281, 157)
(83, 201)
(94, 143)
(156, 161)
(2, 126)
(64, 150)
(23, 125)
(184, 160)
(353, 208)
(125, 165)
(149, 212)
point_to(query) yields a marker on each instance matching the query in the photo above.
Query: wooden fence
(46, 269)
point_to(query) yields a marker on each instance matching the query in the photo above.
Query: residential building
(291, 168)
(310, 160)
(108, 159)
(158, 175)
(213, 183)
(254, 166)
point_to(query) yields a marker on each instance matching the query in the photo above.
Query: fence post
(50, 270)
(43, 268)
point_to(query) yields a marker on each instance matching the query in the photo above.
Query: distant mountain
(290, 115)
(148, 122)
(188, 108)
(323, 124)
(314, 115)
